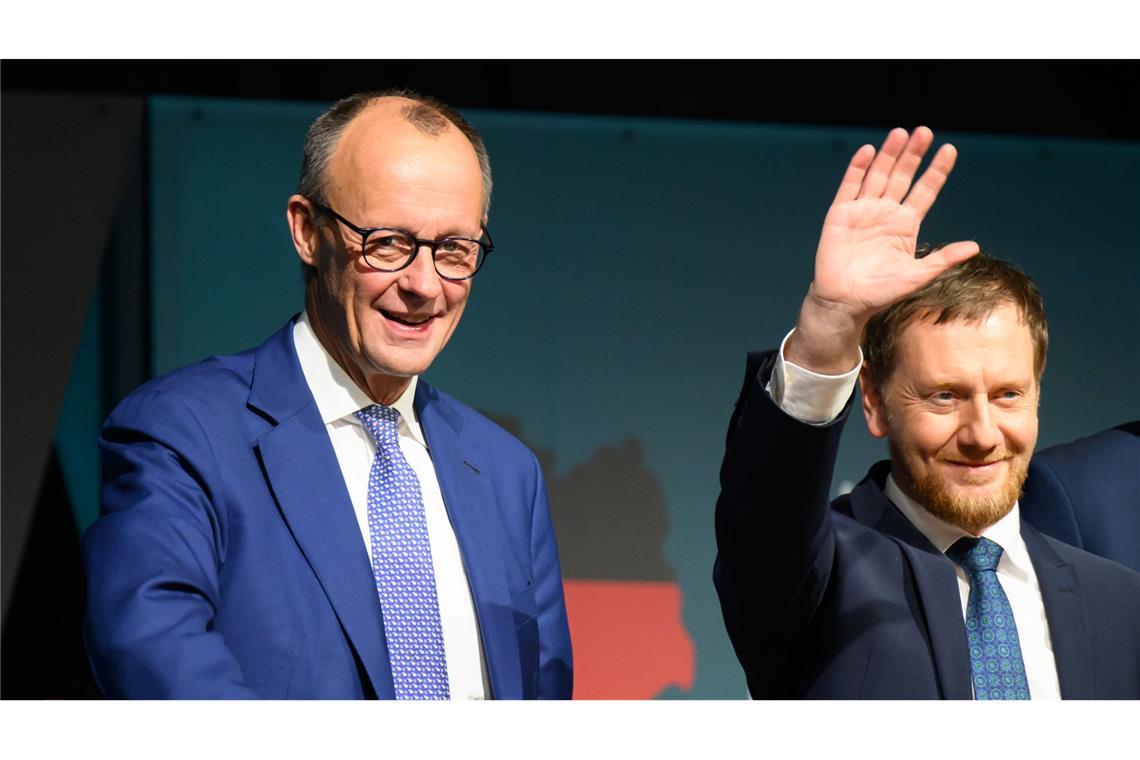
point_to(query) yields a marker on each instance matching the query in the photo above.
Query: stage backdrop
(636, 262)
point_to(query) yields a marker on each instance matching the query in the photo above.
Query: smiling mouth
(409, 320)
(975, 473)
(974, 465)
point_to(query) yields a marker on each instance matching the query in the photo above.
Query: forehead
(997, 347)
(382, 159)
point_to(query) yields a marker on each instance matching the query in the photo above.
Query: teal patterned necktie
(995, 651)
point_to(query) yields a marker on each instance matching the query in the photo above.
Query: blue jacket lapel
(935, 580)
(468, 497)
(1065, 612)
(304, 475)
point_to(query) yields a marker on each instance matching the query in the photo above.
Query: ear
(873, 409)
(299, 216)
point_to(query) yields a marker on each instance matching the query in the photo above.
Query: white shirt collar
(1006, 532)
(337, 396)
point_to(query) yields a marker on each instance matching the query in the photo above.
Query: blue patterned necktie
(401, 564)
(995, 651)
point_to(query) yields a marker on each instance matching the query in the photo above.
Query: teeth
(405, 320)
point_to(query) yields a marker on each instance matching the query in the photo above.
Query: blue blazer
(1087, 493)
(852, 601)
(227, 562)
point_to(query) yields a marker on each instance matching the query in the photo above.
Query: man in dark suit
(1087, 493)
(308, 519)
(923, 582)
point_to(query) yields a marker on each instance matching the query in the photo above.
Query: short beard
(972, 515)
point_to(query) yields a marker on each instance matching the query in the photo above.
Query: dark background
(1046, 98)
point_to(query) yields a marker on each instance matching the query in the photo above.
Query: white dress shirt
(818, 399)
(338, 399)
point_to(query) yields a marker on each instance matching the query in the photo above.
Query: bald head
(429, 116)
(383, 158)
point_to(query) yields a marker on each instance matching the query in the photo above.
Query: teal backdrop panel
(636, 261)
(223, 272)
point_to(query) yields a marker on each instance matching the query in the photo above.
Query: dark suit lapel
(935, 581)
(1065, 612)
(480, 533)
(305, 478)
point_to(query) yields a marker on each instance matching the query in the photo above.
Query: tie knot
(381, 422)
(975, 554)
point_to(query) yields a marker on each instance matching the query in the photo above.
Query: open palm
(866, 256)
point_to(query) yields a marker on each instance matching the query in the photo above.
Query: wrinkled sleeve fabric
(153, 558)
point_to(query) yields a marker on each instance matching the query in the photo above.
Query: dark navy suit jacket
(227, 562)
(851, 601)
(1087, 493)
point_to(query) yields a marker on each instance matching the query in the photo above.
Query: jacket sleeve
(153, 558)
(556, 665)
(775, 541)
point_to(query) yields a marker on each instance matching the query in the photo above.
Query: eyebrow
(451, 232)
(944, 385)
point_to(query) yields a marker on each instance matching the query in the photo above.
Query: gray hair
(429, 115)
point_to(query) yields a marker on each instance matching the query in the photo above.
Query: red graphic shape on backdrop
(629, 639)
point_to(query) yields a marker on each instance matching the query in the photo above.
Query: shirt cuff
(809, 396)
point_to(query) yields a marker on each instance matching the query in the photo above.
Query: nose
(978, 429)
(420, 278)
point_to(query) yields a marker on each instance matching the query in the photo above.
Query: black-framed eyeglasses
(390, 249)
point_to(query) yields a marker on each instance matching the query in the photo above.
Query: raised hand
(865, 260)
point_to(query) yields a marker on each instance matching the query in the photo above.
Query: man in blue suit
(923, 582)
(308, 519)
(1087, 493)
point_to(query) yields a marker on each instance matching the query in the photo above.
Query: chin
(973, 509)
(400, 366)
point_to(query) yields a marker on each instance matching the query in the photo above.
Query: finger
(925, 191)
(880, 170)
(907, 165)
(853, 177)
(949, 255)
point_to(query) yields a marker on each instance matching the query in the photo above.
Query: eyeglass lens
(455, 258)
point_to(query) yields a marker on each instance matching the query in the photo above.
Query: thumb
(949, 255)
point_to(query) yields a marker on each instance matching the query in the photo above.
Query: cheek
(367, 290)
(456, 295)
(932, 433)
(337, 281)
(1021, 432)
